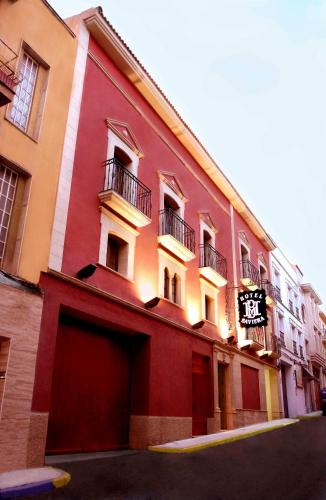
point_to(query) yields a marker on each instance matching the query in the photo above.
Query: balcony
(318, 359)
(278, 294)
(295, 349)
(255, 339)
(249, 275)
(8, 76)
(212, 265)
(126, 195)
(176, 236)
(271, 293)
(282, 339)
(273, 345)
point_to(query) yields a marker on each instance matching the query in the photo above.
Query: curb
(34, 487)
(308, 417)
(202, 446)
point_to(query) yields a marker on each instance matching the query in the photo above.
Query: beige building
(36, 70)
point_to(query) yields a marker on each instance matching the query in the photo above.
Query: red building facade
(139, 339)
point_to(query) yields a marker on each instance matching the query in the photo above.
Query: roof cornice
(102, 31)
(307, 288)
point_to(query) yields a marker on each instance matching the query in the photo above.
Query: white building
(290, 331)
(313, 330)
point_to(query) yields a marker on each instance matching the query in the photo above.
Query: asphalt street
(285, 464)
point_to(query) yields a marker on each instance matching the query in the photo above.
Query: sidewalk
(201, 442)
(21, 482)
(313, 414)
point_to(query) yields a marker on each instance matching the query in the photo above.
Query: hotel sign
(252, 308)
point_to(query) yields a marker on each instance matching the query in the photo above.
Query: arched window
(166, 283)
(176, 289)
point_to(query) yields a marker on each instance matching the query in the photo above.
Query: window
(8, 183)
(117, 244)
(166, 283)
(244, 253)
(303, 313)
(176, 289)
(116, 255)
(172, 287)
(172, 278)
(209, 294)
(209, 308)
(22, 102)
(262, 274)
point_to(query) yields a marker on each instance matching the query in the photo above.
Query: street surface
(285, 464)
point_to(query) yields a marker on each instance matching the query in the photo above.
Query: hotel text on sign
(252, 308)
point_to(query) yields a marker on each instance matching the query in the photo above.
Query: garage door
(90, 391)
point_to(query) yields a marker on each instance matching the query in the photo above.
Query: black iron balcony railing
(301, 352)
(209, 257)
(120, 180)
(249, 271)
(257, 335)
(8, 58)
(282, 339)
(291, 306)
(171, 223)
(278, 293)
(295, 349)
(269, 289)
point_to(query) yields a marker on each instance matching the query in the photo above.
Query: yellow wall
(32, 22)
(272, 393)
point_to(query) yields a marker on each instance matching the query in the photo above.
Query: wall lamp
(199, 324)
(152, 303)
(87, 271)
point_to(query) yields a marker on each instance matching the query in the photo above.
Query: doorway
(284, 390)
(90, 400)
(222, 374)
(200, 393)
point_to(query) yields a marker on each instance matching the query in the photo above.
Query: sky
(249, 78)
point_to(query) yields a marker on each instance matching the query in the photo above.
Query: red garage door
(250, 388)
(90, 390)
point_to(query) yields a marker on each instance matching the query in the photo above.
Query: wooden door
(89, 408)
(200, 393)
(222, 394)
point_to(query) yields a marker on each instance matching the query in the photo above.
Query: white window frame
(111, 224)
(165, 189)
(212, 292)
(203, 226)
(115, 142)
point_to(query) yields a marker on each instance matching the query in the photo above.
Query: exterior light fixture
(87, 271)
(199, 324)
(230, 339)
(152, 303)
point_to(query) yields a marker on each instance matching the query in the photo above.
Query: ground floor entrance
(200, 393)
(90, 398)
